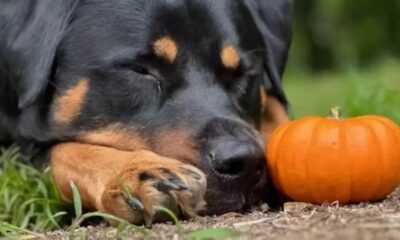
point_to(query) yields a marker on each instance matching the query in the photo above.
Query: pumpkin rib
(383, 179)
(304, 178)
(379, 150)
(395, 134)
(379, 147)
(281, 155)
(273, 153)
(345, 151)
(391, 125)
(307, 161)
(395, 177)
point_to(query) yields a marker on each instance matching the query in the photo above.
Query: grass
(371, 91)
(29, 202)
(28, 197)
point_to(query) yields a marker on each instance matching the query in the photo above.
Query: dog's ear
(31, 32)
(274, 21)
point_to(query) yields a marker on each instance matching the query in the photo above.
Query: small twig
(261, 220)
(290, 227)
(311, 214)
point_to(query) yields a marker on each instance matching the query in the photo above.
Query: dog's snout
(233, 159)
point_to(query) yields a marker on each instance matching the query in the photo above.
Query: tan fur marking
(176, 143)
(273, 114)
(91, 167)
(116, 137)
(166, 48)
(68, 106)
(230, 57)
(98, 172)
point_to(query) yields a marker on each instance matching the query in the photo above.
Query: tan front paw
(135, 192)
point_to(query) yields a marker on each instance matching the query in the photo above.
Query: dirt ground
(379, 220)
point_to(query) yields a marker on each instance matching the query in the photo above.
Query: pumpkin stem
(336, 113)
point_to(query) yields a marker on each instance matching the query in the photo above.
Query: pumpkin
(319, 160)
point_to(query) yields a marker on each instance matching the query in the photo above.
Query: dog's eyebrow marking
(166, 48)
(230, 57)
(69, 105)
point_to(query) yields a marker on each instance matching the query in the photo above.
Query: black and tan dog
(172, 98)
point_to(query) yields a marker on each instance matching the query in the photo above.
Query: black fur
(274, 21)
(31, 33)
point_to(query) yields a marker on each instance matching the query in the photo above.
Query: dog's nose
(233, 159)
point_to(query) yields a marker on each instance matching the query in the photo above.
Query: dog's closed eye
(129, 65)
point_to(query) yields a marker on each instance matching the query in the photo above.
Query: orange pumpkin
(319, 160)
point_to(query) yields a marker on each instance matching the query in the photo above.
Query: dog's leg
(104, 176)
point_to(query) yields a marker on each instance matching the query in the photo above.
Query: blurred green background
(345, 53)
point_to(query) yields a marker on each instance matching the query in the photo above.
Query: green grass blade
(213, 233)
(52, 217)
(123, 186)
(4, 186)
(77, 200)
(171, 214)
(6, 228)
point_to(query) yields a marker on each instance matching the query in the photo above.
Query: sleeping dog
(169, 100)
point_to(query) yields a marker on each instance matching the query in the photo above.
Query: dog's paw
(135, 192)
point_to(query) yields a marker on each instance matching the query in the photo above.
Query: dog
(147, 102)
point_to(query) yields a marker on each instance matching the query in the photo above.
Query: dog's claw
(135, 203)
(166, 186)
(180, 184)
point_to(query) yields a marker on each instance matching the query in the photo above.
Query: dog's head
(197, 81)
